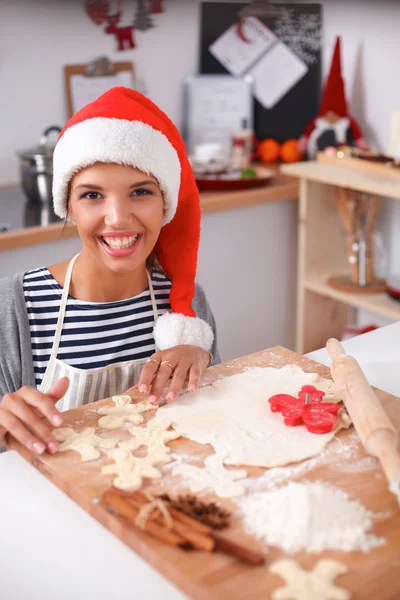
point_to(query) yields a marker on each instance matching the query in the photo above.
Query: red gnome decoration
(333, 126)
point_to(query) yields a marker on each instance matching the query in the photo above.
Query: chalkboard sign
(299, 30)
(215, 105)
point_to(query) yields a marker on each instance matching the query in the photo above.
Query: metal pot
(36, 167)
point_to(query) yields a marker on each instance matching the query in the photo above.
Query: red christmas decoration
(332, 111)
(124, 35)
(97, 10)
(156, 7)
(240, 32)
(333, 98)
(308, 408)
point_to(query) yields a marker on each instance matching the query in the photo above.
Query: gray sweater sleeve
(16, 364)
(203, 311)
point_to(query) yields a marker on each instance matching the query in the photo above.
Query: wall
(37, 37)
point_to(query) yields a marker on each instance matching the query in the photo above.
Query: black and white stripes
(94, 334)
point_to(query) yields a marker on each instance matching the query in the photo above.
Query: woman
(125, 311)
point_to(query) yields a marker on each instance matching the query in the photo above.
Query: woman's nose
(118, 213)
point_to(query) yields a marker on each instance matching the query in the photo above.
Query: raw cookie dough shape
(214, 476)
(85, 442)
(233, 415)
(155, 435)
(123, 410)
(130, 469)
(309, 585)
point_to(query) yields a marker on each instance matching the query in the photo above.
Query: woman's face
(118, 211)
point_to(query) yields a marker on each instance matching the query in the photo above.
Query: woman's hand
(179, 364)
(22, 412)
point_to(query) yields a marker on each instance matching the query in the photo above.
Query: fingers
(20, 432)
(21, 420)
(160, 381)
(59, 388)
(42, 402)
(178, 379)
(148, 372)
(180, 363)
(194, 376)
(22, 412)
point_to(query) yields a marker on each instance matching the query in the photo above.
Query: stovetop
(16, 212)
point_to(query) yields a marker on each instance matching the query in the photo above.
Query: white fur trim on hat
(103, 139)
(173, 329)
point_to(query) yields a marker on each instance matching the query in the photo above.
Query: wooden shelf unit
(323, 311)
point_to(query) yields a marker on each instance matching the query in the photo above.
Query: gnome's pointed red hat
(124, 127)
(333, 97)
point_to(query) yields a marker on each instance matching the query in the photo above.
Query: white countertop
(52, 549)
(378, 353)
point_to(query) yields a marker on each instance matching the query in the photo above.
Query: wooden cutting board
(203, 576)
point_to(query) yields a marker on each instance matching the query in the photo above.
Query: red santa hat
(334, 100)
(124, 127)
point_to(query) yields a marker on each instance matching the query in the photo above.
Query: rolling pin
(376, 431)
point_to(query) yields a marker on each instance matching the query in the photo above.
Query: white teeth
(119, 243)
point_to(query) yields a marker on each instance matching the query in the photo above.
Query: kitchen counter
(53, 549)
(22, 224)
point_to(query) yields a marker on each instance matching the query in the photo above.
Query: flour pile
(308, 516)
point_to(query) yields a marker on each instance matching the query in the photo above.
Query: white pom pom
(174, 329)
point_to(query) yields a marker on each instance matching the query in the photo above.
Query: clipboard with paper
(85, 83)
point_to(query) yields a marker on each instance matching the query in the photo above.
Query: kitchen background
(242, 248)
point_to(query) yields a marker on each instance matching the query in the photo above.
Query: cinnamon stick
(177, 515)
(129, 512)
(184, 530)
(199, 540)
(225, 545)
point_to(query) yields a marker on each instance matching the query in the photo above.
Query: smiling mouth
(121, 243)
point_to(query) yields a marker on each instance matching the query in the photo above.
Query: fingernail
(57, 420)
(191, 387)
(143, 388)
(153, 399)
(170, 396)
(53, 447)
(39, 447)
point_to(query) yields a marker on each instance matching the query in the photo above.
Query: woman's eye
(141, 192)
(91, 195)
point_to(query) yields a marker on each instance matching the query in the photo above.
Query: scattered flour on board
(308, 516)
(341, 455)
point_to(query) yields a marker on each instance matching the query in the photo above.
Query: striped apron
(89, 385)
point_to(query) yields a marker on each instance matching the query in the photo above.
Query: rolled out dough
(234, 416)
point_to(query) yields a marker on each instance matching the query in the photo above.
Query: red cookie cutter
(308, 408)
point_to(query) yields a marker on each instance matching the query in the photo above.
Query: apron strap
(63, 305)
(153, 299)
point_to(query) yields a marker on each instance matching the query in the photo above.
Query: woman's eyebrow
(144, 182)
(92, 186)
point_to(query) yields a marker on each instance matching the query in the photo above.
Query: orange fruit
(290, 152)
(268, 150)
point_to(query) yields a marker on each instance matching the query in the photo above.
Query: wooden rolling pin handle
(335, 348)
(374, 427)
(383, 444)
